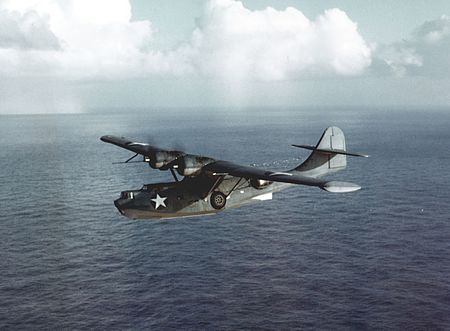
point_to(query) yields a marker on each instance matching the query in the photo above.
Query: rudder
(328, 155)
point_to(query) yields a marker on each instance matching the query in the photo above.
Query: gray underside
(187, 198)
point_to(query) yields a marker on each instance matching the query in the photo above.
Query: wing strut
(234, 187)
(173, 174)
(131, 158)
(127, 161)
(215, 185)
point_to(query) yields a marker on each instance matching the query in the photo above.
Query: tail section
(328, 156)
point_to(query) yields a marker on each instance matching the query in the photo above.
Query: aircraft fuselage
(192, 196)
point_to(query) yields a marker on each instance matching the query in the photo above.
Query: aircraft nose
(118, 203)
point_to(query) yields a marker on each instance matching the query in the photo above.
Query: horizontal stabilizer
(330, 150)
(340, 187)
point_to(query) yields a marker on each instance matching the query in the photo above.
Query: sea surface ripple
(308, 259)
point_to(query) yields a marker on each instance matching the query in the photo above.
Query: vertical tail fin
(328, 156)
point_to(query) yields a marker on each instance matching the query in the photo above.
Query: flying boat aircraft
(209, 186)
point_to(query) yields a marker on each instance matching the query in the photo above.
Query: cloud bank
(232, 40)
(425, 53)
(83, 39)
(26, 32)
(77, 39)
(51, 51)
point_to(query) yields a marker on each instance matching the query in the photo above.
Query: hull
(190, 197)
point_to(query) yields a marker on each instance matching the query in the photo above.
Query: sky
(69, 56)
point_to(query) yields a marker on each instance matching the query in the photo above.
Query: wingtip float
(209, 186)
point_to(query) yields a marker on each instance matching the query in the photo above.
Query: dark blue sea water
(378, 258)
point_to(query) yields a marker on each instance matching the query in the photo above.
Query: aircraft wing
(139, 148)
(229, 168)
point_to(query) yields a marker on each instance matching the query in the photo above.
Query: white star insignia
(159, 201)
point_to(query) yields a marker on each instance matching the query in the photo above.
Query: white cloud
(234, 42)
(400, 57)
(86, 39)
(96, 39)
(425, 53)
(46, 45)
(27, 31)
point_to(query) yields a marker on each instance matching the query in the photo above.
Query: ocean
(377, 258)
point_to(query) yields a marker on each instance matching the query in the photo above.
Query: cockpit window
(127, 195)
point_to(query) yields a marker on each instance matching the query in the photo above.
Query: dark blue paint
(373, 259)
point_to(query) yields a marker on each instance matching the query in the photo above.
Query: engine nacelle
(162, 159)
(191, 165)
(259, 183)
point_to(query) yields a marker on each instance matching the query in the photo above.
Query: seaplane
(204, 185)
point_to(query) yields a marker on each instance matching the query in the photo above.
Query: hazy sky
(82, 55)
